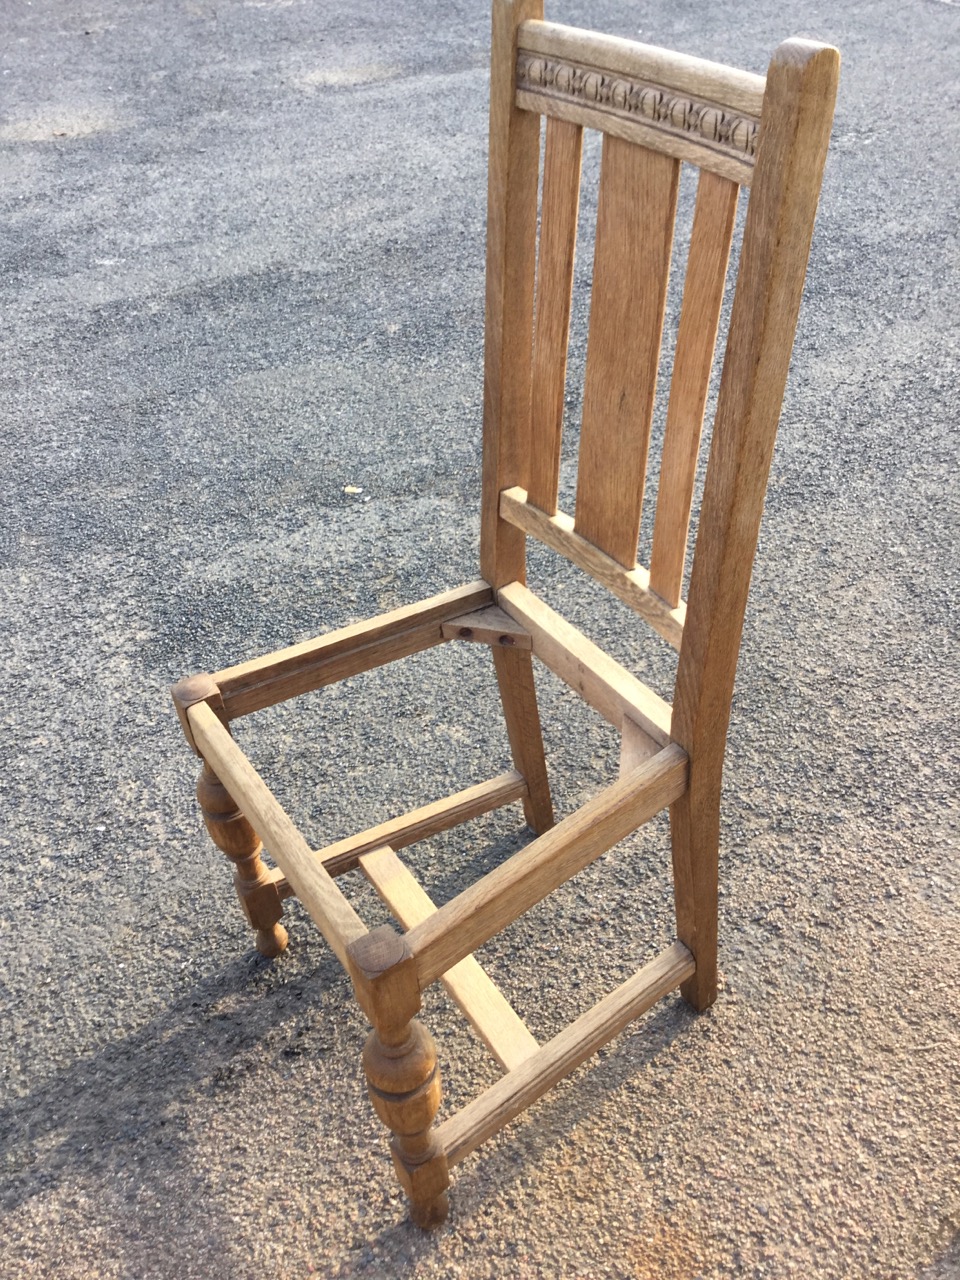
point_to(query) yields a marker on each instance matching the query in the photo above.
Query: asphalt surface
(242, 273)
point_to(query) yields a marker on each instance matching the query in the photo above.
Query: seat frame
(740, 130)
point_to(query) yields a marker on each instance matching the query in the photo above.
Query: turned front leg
(233, 834)
(400, 1063)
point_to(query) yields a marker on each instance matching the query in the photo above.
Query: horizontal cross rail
(300, 668)
(632, 586)
(419, 824)
(698, 111)
(479, 1119)
(609, 687)
(490, 904)
(491, 1015)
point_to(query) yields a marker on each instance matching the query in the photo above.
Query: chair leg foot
(403, 1080)
(232, 833)
(430, 1216)
(270, 942)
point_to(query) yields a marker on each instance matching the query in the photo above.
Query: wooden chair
(656, 110)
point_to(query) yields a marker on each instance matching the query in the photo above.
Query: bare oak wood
(505, 893)
(797, 114)
(558, 237)
(512, 186)
(599, 679)
(632, 586)
(419, 824)
(693, 360)
(636, 746)
(514, 668)
(488, 626)
(682, 107)
(328, 908)
(299, 668)
(631, 265)
(491, 1015)
(740, 92)
(486, 1115)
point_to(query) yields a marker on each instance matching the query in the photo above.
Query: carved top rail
(694, 110)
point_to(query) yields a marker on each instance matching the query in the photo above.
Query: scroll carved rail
(640, 102)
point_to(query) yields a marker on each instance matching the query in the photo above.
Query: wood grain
(706, 275)
(486, 1115)
(419, 824)
(632, 586)
(631, 265)
(514, 668)
(599, 679)
(558, 237)
(299, 668)
(488, 626)
(738, 91)
(328, 908)
(490, 1014)
(797, 114)
(512, 189)
(489, 905)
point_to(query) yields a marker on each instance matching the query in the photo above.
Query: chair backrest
(656, 110)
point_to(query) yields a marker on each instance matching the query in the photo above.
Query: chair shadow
(116, 1118)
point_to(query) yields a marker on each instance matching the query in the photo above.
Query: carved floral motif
(650, 104)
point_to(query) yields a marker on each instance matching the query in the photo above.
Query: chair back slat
(703, 287)
(558, 234)
(635, 216)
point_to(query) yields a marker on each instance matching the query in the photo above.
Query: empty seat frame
(656, 111)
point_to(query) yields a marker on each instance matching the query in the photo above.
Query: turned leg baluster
(233, 834)
(400, 1063)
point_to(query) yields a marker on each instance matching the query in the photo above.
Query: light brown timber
(632, 586)
(483, 1117)
(631, 265)
(598, 678)
(488, 626)
(706, 275)
(797, 114)
(491, 1015)
(263, 682)
(233, 834)
(558, 238)
(512, 189)
(400, 1063)
(636, 746)
(328, 908)
(490, 904)
(683, 107)
(514, 668)
(419, 824)
(740, 92)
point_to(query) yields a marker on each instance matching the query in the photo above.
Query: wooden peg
(256, 888)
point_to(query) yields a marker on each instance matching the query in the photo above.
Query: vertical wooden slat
(637, 203)
(794, 131)
(707, 260)
(558, 236)
(511, 264)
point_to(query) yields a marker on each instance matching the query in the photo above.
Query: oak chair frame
(656, 109)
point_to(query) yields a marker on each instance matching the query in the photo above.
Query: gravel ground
(243, 267)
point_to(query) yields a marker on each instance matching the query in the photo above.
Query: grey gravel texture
(243, 270)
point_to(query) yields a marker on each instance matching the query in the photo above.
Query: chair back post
(514, 164)
(795, 129)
